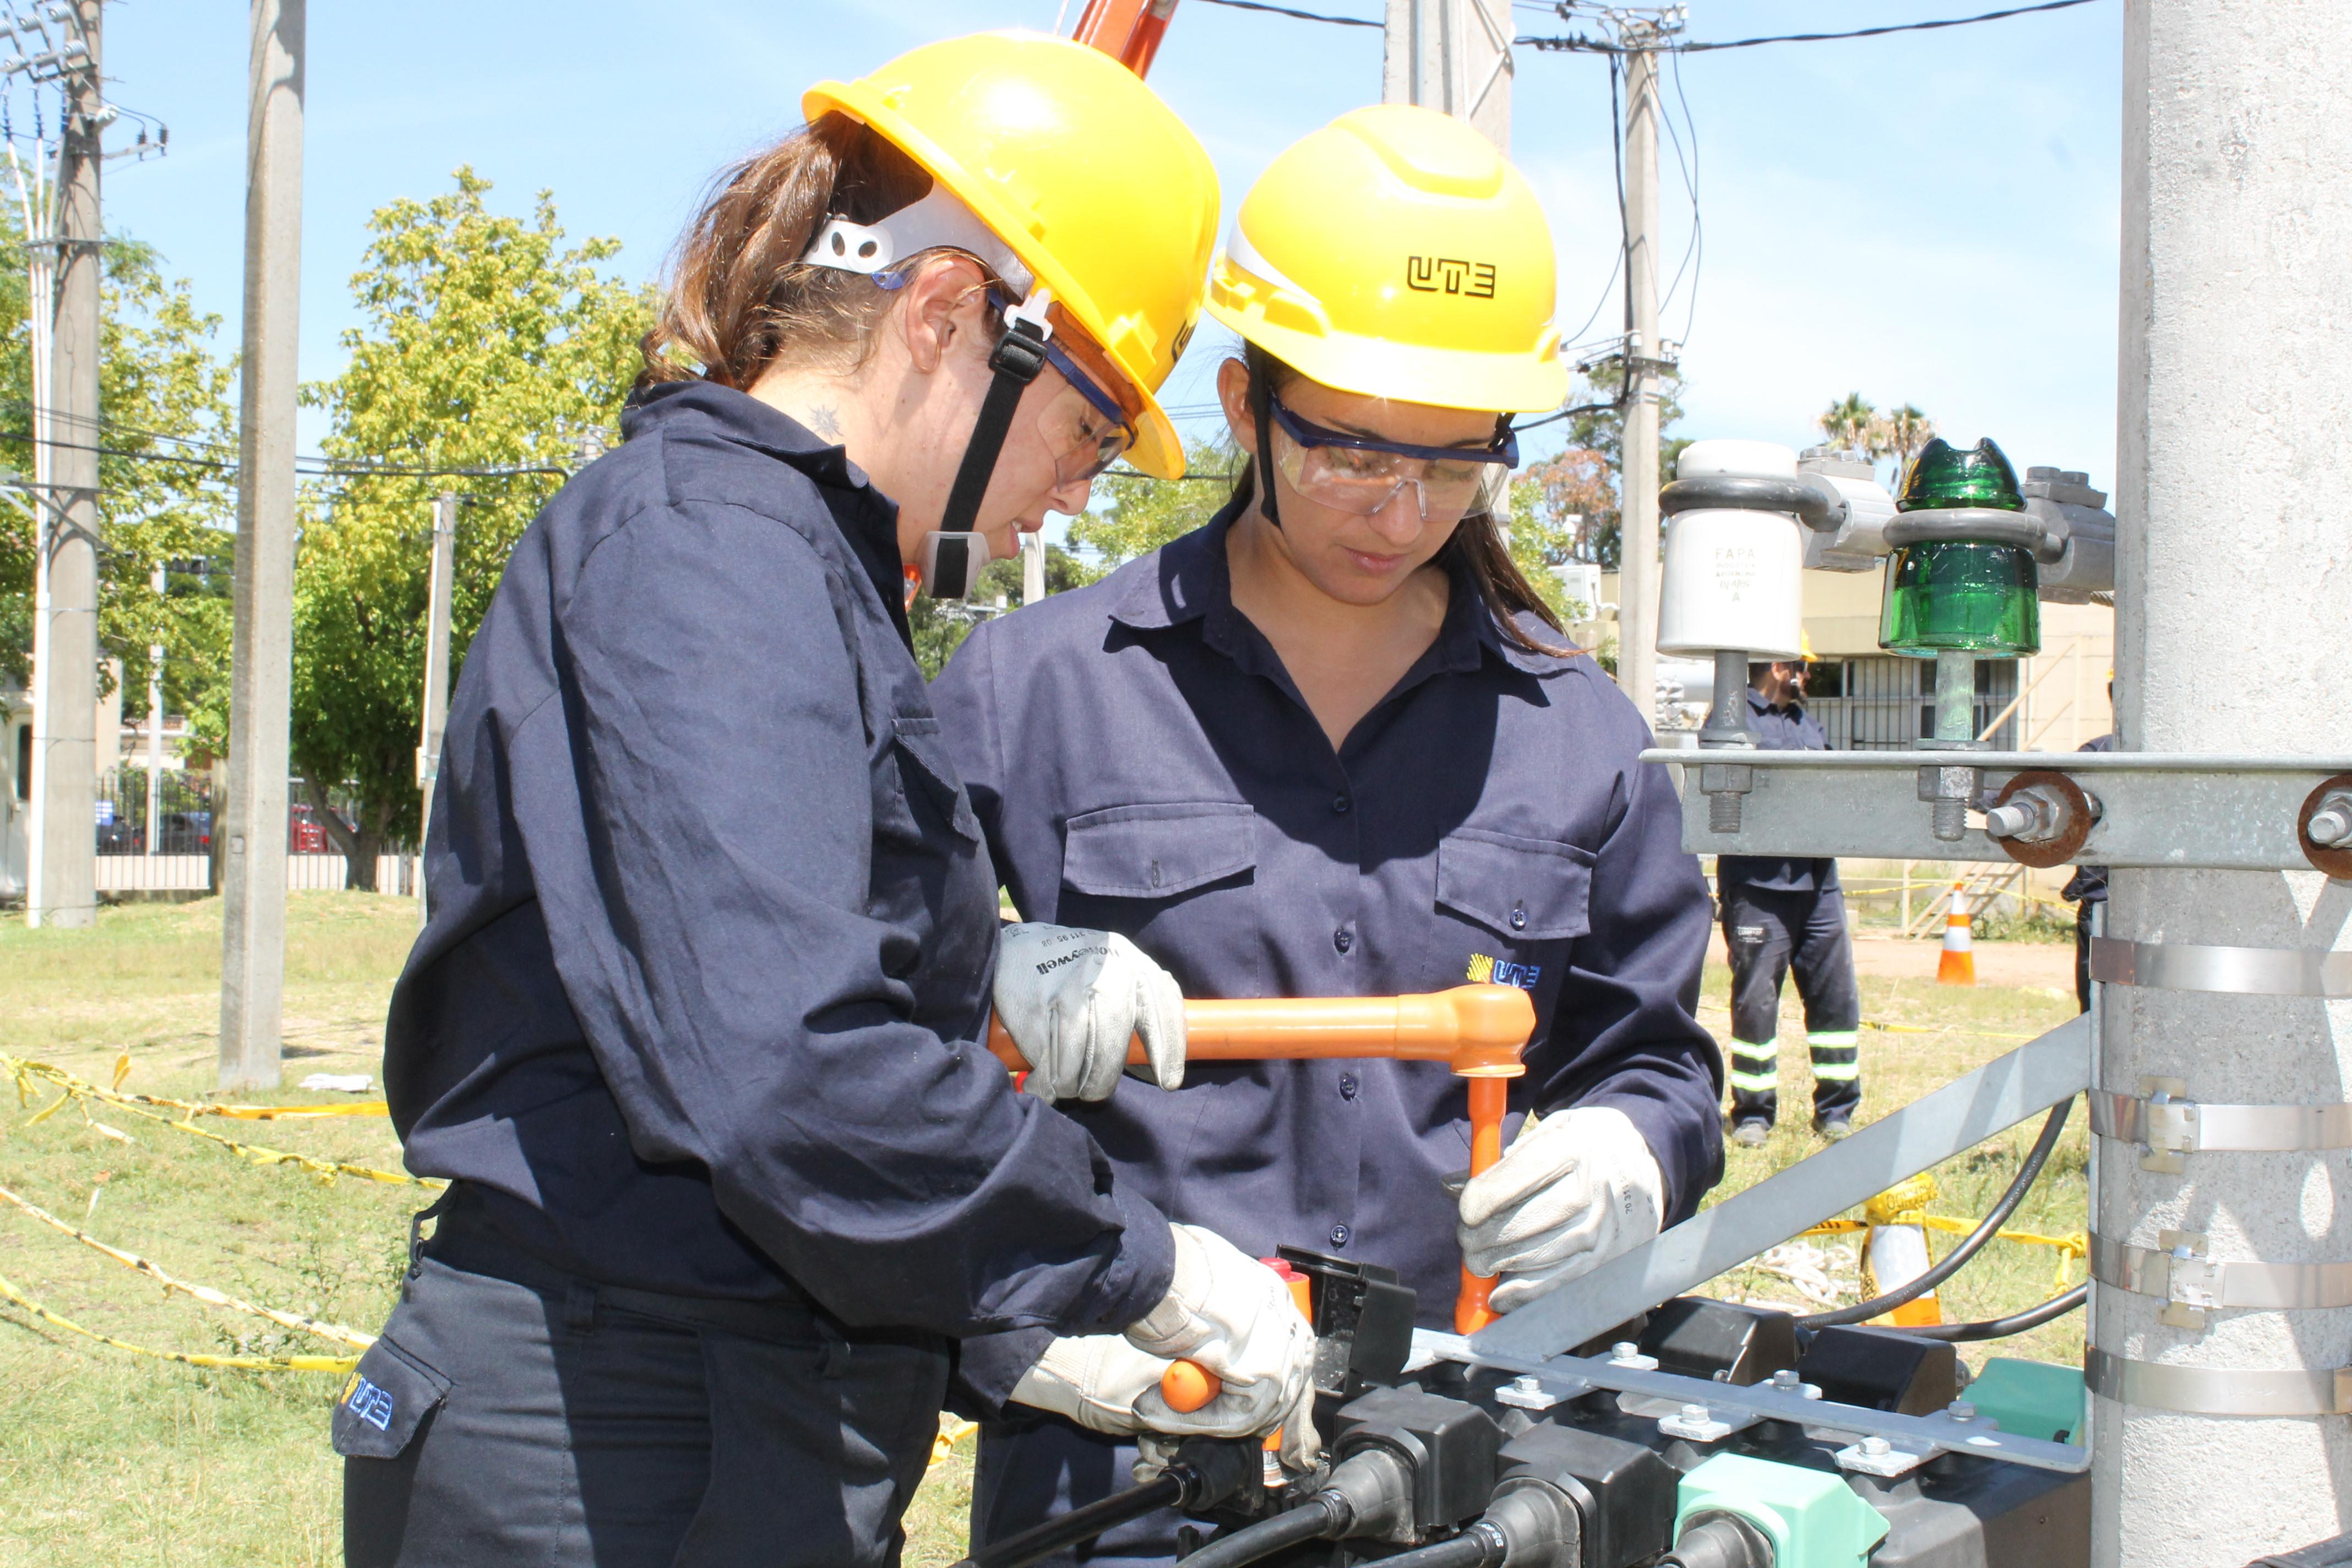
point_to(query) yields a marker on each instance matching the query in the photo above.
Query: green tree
(940, 629)
(1585, 482)
(165, 475)
(1146, 513)
(489, 343)
(1848, 423)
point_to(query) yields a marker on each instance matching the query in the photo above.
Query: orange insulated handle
(1187, 1385)
(1489, 1098)
(1476, 1030)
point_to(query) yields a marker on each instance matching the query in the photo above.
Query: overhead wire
(1301, 16)
(1584, 45)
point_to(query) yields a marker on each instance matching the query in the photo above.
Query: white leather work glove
(1571, 1192)
(1094, 1380)
(1071, 1000)
(1235, 1317)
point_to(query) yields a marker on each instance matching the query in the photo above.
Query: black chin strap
(1017, 358)
(1262, 469)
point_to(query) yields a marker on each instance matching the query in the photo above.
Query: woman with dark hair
(692, 1028)
(1333, 743)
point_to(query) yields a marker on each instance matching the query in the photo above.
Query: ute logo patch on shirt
(1485, 970)
(369, 1402)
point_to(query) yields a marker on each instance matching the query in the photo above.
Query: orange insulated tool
(1479, 1031)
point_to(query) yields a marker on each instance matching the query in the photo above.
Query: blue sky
(1928, 217)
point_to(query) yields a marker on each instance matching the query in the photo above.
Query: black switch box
(1882, 1369)
(1624, 1491)
(1722, 1341)
(1449, 1445)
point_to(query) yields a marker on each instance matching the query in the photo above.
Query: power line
(1581, 45)
(1301, 16)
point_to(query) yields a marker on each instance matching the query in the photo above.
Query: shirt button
(1339, 1234)
(1347, 1086)
(1519, 912)
(1343, 939)
(1339, 804)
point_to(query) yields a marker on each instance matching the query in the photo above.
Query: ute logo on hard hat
(1430, 274)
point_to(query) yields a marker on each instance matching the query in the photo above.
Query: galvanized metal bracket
(2215, 1390)
(2240, 971)
(2157, 808)
(1959, 1116)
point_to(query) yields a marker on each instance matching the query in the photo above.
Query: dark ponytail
(1477, 548)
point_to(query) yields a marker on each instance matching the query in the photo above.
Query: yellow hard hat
(1093, 181)
(1395, 253)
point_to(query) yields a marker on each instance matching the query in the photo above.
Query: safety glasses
(1081, 424)
(1361, 475)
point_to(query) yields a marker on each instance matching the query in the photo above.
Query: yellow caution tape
(204, 1293)
(2069, 1247)
(73, 1089)
(333, 1364)
(29, 1069)
(953, 1429)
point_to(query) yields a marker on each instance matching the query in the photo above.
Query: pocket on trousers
(388, 1397)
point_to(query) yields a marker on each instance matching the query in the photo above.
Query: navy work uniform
(692, 1030)
(1143, 763)
(1784, 914)
(2086, 890)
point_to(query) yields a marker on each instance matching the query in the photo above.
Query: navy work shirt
(1143, 763)
(713, 925)
(1788, 729)
(2088, 885)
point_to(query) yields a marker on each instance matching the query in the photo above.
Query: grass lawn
(111, 1458)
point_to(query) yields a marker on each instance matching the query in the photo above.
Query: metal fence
(1888, 704)
(183, 862)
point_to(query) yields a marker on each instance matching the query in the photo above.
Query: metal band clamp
(2179, 1273)
(2216, 1391)
(2243, 971)
(2169, 1127)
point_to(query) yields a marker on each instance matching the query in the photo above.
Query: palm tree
(1847, 421)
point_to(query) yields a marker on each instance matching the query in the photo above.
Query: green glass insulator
(1963, 597)
(1943, 475)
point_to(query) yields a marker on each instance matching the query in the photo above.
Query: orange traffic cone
(1957, 965)
(1894, 1251)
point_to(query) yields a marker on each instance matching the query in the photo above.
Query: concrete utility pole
(1454, 55)
(2232, 477)
(261, 677)
(436, 674)
(63, 871)
(1637, 568)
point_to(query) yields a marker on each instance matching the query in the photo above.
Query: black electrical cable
(2050, 1311)
(1301, 16)
(1311, 1520)
(2035, 1158)
(1578, 45)
(1480, 1546)
(1080, 1524)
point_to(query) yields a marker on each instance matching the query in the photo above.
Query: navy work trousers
(502, 1422)
(1767, 933)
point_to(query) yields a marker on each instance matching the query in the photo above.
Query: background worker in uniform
(1784, 914)
(694, 1027)
(1332, 744)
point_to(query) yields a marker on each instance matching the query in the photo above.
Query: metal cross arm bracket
(1954, 1118)
(2154, 808)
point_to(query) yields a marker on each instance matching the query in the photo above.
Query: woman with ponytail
(1333, 743)
(693, 1029)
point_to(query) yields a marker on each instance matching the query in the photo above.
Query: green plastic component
(2031, 1398)
(1813, 1518)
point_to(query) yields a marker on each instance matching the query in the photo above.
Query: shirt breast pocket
(1532, 897)
(1181, 879)
(915, 766)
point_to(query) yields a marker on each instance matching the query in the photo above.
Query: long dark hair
(739, 298)
(1475, 549)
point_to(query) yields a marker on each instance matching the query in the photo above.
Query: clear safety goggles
(1361, 475)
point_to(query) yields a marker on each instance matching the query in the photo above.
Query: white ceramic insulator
(1733, 579)
(1748, 459)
